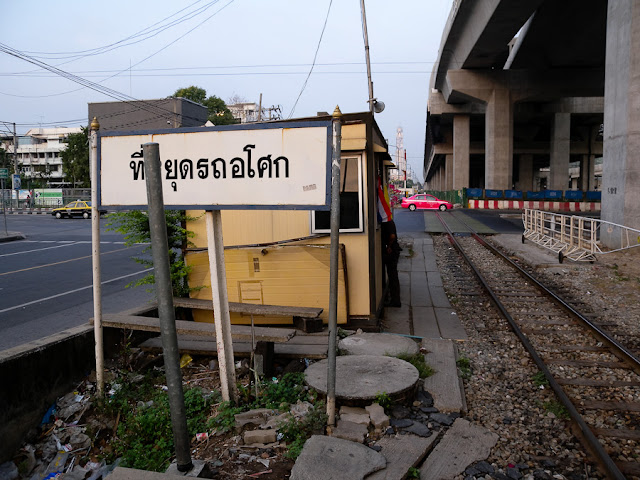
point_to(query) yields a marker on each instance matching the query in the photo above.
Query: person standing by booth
(390, 255)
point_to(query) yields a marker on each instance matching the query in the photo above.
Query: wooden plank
(617, 433)
(250, 308)
(585, 363)
(588, 382)
(402, 452)
(462, 445)
(238, 332)
(612, 406)
(445, 385)
(240, 349)
(630, 469)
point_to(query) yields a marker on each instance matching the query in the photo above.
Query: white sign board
(226, 167)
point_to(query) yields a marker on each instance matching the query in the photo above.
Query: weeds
(384, 400)
(555, 407)
(417, 360)
(144, 436)
(296, 432)
(539, 380)
(413, 472)
(464, 365)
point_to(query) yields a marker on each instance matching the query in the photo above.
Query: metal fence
(575, 237)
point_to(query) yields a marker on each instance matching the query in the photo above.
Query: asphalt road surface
(46, 280)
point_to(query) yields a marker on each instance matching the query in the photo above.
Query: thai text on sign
(272, 167)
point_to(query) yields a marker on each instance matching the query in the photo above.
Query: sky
(148, 49)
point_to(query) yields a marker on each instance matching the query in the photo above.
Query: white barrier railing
(575, 237)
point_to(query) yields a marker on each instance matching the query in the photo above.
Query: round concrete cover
(362, 377)
(377, 344)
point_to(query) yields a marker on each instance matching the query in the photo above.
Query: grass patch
(558, 409)
(417, 360)
(464, 366)
(539, 380)
(384, 400)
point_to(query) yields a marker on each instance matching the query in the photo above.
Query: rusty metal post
(166, 312)
(333, 265)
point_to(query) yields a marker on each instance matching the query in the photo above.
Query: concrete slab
(425, 324)
(398, 320)
(420, 296)
(430, 264)
(534, 254)
(445, 385)
(404, 278)
(377, 344)
(438, 296)
(434, 279)
(352, 431)
(122, 473)
(449, 324)
(200, 469)
(359, 378)
(462, 445)
(331, 458)
(402, 452)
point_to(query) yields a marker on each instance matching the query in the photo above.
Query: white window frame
(360, 227)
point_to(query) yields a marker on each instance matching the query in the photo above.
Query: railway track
(595, 378)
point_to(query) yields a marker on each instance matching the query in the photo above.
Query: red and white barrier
(535, 205)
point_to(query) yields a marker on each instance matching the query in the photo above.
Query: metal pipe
(333, 266)
(366, 54)
(166, 312)
(95, 257)
(220, 300)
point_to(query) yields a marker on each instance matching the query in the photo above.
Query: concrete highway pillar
(461, 142)
(499, 140)
(560, 151)
(525, 172)
(587, 172)
(448, 171)
(621, 167)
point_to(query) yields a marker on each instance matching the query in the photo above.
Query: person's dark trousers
(391, 264)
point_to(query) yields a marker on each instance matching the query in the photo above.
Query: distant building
(38, 153)
(247, 112)
(148, 114)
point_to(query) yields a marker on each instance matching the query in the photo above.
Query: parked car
(79, 208)
(425, 201)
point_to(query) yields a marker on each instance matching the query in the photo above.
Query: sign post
(333, 266)
(267, 166)
(166, 312)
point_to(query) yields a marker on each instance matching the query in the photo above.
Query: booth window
(350, 200)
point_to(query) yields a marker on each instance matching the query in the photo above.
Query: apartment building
(38, 153)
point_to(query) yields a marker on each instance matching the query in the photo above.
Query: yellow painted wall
(249, 227)
(280, 275)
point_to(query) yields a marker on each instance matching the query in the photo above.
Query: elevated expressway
(525, 85)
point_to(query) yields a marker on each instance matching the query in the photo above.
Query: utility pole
(366, 53)
(260, 109)
(15, 159)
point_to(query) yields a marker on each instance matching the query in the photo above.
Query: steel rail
(592, 442)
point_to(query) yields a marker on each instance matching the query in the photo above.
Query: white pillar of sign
(220, 299)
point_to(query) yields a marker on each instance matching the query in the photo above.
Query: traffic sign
(4, 173)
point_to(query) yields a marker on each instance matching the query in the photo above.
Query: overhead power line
(139, 104)
(304, 85)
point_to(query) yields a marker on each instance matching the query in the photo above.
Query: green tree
(219, 114)
(5, 159)
(134, 225)
(75, 158)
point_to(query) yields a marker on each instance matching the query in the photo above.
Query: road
(46, 280)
